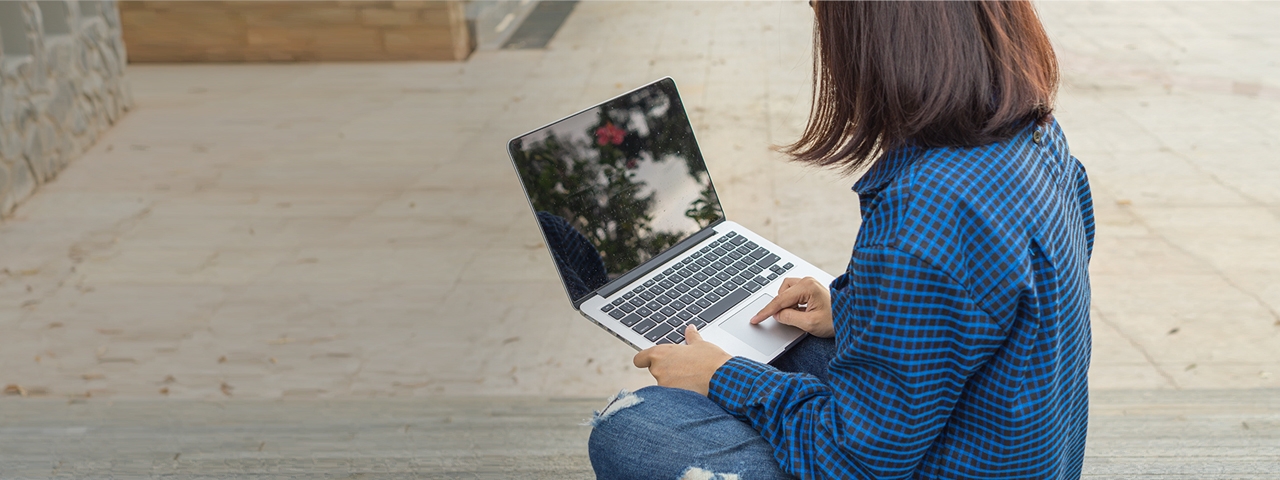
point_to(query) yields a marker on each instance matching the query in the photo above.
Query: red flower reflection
(610, 134)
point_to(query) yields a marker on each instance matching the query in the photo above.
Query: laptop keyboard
(697, 289)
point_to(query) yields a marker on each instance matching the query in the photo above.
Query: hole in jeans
(695, 473)
(618, 401)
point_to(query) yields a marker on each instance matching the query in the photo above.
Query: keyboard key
(776, 269)
(664, 299)
(706, 287)
(658, 317)
(647, 295)
(675, 322)
(721, 251)
(629, 295)
(658, 332)
(665, 284)
(701, 277)
(684, 316)
(617, 314)
(694, 309)
(654, 305)
(738, 240)
(675, 337)
(715, 282)
(680, 287)
(677, 304)
(721, 291)
(752, 286)
(631, 320)
(702, 262)
(648, 283)
(759, 253)
(751, 245)
(618, 301)
(723, 305)
(627, 307)
(662, 341)
(773, 276)
(705, 249)
(637, 302)
(732, 270)
(703, 302)
(741, 265)
(787, 266)
(667, 311)
(698, 323)
(644, 326)
(696, 294)
(644, 312)
(768, 260)
(730, 234)
(669, 271)
(606, 308)
(761, 280)
(712, 297)
(743, 251)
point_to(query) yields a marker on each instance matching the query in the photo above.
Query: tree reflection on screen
(594, 180)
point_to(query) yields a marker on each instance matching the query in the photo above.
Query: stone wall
(265, 31)
(61, 85)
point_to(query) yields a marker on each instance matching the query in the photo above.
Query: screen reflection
(615, 185)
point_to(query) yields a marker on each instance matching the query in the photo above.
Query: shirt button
(1035, 137)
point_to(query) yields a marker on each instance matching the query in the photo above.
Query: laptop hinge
(653, 263)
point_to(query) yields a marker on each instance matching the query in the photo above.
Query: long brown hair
(930, 73)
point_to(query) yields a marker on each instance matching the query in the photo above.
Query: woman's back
(1009, 225)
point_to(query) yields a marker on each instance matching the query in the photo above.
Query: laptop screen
(615, 185)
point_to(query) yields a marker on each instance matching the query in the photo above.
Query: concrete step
(1217, 434)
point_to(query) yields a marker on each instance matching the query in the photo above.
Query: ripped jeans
(668, 433)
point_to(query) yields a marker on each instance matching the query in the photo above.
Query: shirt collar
(885, 169)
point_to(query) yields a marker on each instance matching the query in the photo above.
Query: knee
(621, 425)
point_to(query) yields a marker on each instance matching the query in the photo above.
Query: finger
(691, 335)
(785, 299)
(787, 284)
(793, 317)
(643, 359)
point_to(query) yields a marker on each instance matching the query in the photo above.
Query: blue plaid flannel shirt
(962, 325)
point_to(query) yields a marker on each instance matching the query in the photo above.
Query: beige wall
(258, 31)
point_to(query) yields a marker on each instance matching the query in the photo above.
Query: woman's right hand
(804, 303)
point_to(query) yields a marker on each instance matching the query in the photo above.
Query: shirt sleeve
(908, 337)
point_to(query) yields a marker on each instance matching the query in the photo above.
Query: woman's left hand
(688, 366)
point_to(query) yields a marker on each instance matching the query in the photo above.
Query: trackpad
(767, 337)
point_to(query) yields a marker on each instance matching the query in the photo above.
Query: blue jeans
(668, 433)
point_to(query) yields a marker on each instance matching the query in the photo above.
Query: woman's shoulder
(969, 210)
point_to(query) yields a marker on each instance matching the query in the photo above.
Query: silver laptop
(632, 221)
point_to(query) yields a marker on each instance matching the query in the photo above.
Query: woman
(956, 344)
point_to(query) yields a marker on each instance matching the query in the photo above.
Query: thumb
(691, 335)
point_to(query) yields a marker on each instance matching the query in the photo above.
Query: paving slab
(1189, 434)
(356, 231)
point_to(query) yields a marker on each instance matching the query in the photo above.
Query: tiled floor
(356, 230)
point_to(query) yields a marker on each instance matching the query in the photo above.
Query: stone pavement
(240, 273)
(1188, 434)
(356, 230)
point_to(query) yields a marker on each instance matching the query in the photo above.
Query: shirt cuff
(734, 383)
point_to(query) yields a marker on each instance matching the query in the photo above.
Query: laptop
(629, 214)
